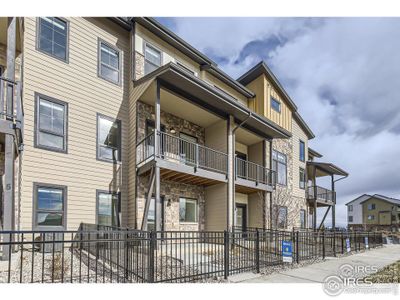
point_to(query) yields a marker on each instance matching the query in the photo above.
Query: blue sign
(287, 251)
(348, 245)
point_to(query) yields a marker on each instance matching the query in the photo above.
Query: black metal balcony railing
(181, 151)
(178, 150)
(323, 194)
(254, 172)
(11, 107)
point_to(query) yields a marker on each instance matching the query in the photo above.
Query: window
(350, 208)
(371, 206)
(49, 204)
(109, 62)
(282, 217)
(152, 58)
(302, 218)
(279, 165)
(108, 208)
(52, 37)
(371, 217)
(108, 138)
(51, 124)
(275, 105)
(302, 178)
(187, 210)
(302, 151)
(350, 219)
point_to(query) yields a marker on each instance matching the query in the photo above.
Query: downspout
(234, 167)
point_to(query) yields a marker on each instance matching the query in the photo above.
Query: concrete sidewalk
(316, 273)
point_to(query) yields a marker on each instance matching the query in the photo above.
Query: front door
(241, 216)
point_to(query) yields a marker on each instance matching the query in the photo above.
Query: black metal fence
(105, 254)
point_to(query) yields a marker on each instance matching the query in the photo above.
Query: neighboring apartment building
(374, 212)
(125, 124)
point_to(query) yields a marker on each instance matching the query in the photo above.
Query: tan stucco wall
(76, 83)
(216, 136)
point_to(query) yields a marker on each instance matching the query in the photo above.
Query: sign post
(287, 251)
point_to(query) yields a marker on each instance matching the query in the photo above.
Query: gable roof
(365, 196)
(384, 198)
(262, 68)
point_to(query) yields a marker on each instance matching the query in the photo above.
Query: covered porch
(322, 197)
(190, 135)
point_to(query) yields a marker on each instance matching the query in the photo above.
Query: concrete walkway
(319, 271)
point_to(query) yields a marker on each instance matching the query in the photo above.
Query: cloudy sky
(343, 74)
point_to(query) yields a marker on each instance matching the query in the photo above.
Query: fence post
(126, 257)
(334, 243)
(342, 243)
(151, 256)
(257, 251)
(323, 244)
(297, 246)
(226, 254)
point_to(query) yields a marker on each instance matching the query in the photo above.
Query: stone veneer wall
(139, 65)
(283, 195)
(169, 189)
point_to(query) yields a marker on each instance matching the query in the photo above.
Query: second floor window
(275, 105)
(371, 206)
(53, 37)
(109, 63)
(302, 151)
(152, 59)
(51, 124)
(108, 139)
(350, 208)
(279, 165)
(302, 178)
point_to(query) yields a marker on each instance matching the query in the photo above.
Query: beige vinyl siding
(241, 147)
(169, 53)
(209, 78)
(216, 136)
(255, 211)
(215, 207)
(298, 134)
(255, 153)
(77, 84)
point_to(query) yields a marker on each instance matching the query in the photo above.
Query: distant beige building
(123, 123)
(374, 212)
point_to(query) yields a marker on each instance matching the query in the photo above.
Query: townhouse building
(374, 212)
(123, 123)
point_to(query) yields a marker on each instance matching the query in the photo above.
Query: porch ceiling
(201, 93)
(177, 106)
